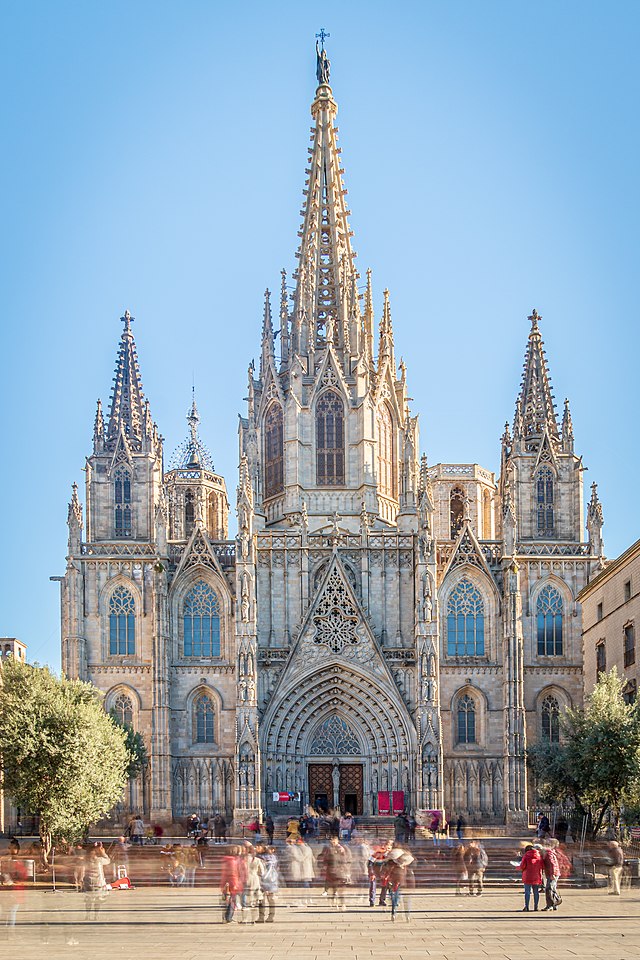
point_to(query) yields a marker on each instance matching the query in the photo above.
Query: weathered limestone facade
(377, 624)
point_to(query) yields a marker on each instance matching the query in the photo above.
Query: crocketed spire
(535, 409)
(192, 453)
(127, 414)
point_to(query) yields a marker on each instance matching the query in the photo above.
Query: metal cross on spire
(322, 36)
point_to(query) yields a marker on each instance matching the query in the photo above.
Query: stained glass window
(465, 621)
(203, 714)
(551, 720)
(329, 440)
(466, 720)
(273, 451)
(335, 738)
(549, 611)
(123, 710)
(201, 618)
(544, 502)
(122, 623)
(122, 498)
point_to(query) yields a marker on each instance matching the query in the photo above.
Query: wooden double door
(350, 787)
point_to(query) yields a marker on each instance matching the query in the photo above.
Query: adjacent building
(610, 617)
(380, 631)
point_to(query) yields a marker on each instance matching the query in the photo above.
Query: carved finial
(127, 319)
(193, 417)
(533, 319)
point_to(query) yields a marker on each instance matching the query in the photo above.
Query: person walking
(93, 882)
(616, 855)
(269, 827)
(307, 869)
(232, 881)
(552, 875)
(136, 830)
(252, 890)
(375, 865)
(336, 871)
(395, 872)
(269, 883)
(532, 868)
(460, 825)
(476, 861)
(460, 868)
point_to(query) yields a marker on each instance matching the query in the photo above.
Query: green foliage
(135, 748)
(597, 765)
(62, 756)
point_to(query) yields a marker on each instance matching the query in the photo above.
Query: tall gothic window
(629, 645)
(456, 511)
(330, 440)
(273, 450)
(386, 452)
(466, 714)
(122, 623)
(551, 720)
(122, 710)
(203, 719)
(549, 609)
(201, 620)
(544, 502)
(189, 512)
(122, 498)
(465, 622)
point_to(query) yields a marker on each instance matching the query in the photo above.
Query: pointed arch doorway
(334, 782)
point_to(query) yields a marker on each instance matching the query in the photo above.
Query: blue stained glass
(465, 622)
(201, 620)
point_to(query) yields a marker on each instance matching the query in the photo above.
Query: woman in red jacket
(532, 866)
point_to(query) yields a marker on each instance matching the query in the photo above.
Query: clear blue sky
(154, 159)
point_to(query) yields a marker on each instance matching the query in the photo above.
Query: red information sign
(398, 801)
(384, 803)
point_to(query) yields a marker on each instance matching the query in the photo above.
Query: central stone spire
(326, 305)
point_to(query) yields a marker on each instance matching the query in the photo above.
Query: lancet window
(465, 621)
(122, 710)
(122, 623)
(386, 452)
(466, 717)
(330, 440)
(456, 510)
(122, 499)
(203, 719)
(551, 720)
(189, 512)
(544, 502)
(549, 609)
(201, 622)
(273, 450)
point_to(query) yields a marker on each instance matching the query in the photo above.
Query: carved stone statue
(323, 65)
(244, 599)
(335, 776)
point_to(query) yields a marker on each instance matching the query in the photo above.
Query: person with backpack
(532, 868)
(269, 883)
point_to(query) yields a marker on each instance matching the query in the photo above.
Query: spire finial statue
(323, 65)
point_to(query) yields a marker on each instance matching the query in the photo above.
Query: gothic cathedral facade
(378, 625)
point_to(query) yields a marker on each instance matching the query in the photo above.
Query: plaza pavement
(169, 924)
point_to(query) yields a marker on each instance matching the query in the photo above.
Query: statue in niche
(244, 598)
(385, 779)
(335, 776)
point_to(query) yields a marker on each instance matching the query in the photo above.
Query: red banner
(384, 803)
(398, 801)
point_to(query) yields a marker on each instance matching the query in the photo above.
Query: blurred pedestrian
(616, 856)
(531, 866)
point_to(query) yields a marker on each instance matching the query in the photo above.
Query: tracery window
(456, 510)
(386, 452)
(203, 719)
(601, 658)
(201, 621)
(629, 645)
(122, 623)
(465, 621)
(551, 720)
(466, 714)
(189, 512)
(335, 738)
(544, 502)
(549, 608)
(122, 710)
(336, 618)
(273, 450)
(122, 499)
(330, 440)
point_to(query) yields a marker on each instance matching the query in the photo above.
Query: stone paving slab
(187, 925)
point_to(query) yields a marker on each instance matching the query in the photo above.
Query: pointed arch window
(203, 719)
(330, 440)
(386, 452)
(465, 621)
(189, 512)
(273, 450)
(551, 720)
(122, 500)
(201, 622)
(544, 502)
(122, 710)
(122, 623)
(466, 719)
(549, 610)
(456, 510)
